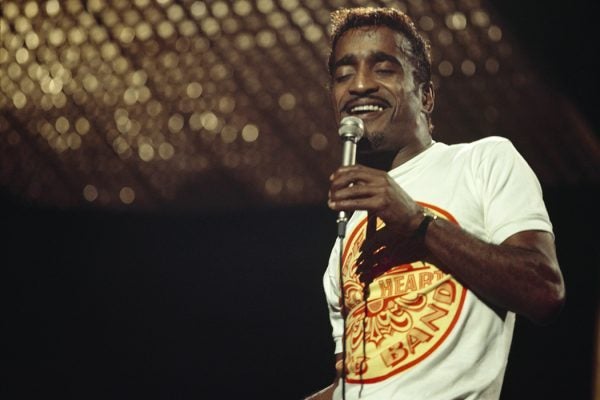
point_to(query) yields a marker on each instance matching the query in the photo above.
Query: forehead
(363, 41)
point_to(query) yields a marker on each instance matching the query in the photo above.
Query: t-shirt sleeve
(512, 195)
(332, 295)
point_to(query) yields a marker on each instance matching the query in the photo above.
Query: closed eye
(342, 78)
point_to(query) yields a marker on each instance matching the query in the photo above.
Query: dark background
(561, 40)
(119, 305)
(111, 305)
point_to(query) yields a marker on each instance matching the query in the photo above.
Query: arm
(521, 274)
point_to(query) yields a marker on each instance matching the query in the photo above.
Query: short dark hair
(345, 19)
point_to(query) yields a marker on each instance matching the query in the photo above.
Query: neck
(420, 144)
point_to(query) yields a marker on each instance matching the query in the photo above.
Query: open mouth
(366, 110)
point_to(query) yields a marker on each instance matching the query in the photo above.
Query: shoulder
(488, 149)
(491, 144)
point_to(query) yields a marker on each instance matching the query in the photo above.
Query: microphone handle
(348, 158)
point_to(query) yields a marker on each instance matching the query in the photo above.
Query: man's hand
(361, 188)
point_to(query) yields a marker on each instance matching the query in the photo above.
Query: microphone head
(351, 128)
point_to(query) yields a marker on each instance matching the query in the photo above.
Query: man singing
(446, 243)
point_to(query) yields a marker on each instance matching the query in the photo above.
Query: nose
(363, 83)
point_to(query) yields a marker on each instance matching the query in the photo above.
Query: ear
(428, 97)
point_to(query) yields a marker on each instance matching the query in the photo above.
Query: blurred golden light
(62, 124)
(173, 86)
(14, 71)
(22, 25)
(175, 13)
(495, 33)
(226, 104)
(146, 152)
(446, 69)
(19, 99)
(242, 8)
(266, 38)
(228, 134)
(56, 37)
(220, 9)
(195, 121)
(468, 67)
(480, 18)
(90, 83)
(244, 41)
(210, 26)
(277, 20)
(31, 9)
(74, 141)
(166, 151)
(22, 56)
(445, 37)
(250, 133)
(82, 125)
(273, 186)
(130, 96)
(318, 141)
(10, 10)
(289, 5)
(265, 6)
(27, 85)
(209, 121)
(143, 31)
(4, 55)
(90, 193)
(32, 40)
(313, 33)
(52, 7)
(426, 23)
(175, 123)
(456, 21)
(194, 90)
(165, 29)
(127, 195)
(126, 34)
(187, 28)
(153, 108)
(287, 101)
(198, 9)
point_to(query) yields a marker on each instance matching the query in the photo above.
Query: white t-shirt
(427, 336)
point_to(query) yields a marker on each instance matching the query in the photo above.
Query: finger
(356, 191)
(354, 204)
(358, 176)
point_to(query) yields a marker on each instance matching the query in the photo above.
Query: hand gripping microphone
(351, 130)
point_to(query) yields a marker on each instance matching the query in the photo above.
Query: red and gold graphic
(411, 305)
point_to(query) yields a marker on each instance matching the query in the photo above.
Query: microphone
(351, 130)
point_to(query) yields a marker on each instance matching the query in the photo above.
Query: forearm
(324, 394)
(520, 275)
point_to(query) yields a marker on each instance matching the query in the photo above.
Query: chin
(371, 154)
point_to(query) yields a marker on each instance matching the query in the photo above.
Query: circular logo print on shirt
(411, 304)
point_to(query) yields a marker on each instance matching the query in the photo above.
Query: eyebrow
(378, 56)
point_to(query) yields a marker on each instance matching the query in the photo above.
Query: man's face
(373, 80)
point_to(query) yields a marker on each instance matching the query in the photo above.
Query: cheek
(337, 95)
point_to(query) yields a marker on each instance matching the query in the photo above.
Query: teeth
(366, 107)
